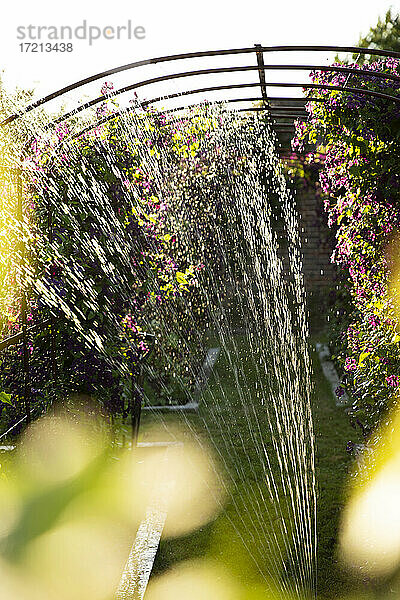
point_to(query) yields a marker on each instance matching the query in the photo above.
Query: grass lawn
(218, 538)
(332, 430)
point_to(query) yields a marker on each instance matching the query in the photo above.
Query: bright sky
(174, 26)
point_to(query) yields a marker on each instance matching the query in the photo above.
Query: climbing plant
(360, 136)
(107, 267)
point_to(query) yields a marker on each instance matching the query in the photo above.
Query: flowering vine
(360, 180)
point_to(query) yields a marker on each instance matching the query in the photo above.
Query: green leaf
(5, 398)
(180, 277)
(362, 357)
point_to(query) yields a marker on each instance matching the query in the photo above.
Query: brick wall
(318, 242)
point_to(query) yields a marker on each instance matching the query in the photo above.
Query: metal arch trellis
(282, 110)
(261, 67)
(269, 103)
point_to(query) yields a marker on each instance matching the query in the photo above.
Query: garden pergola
(283, 111)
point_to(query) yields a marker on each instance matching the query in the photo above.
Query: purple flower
(393, 380)
(106, 88)
(62, 131)
(101, 110)
(373, 320)
(350, 364)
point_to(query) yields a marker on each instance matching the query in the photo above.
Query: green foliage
(385, 35)
(5, 398)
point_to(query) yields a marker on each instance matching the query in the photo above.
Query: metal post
(136, 393)
(25, 351)
(136, 407)
(261, 72)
